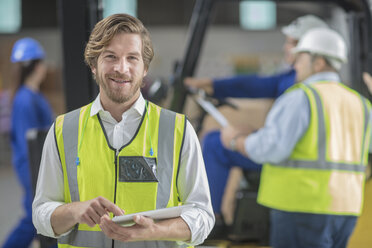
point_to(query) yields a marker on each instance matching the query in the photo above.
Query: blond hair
(105, 30)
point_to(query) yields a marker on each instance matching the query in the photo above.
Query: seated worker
(218, 160)
(314, 147)
(117, 155)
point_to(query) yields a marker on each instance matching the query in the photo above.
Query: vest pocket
(137, 169)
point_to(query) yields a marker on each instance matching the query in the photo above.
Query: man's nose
(121, 66)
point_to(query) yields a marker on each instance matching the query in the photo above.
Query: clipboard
(199, 97)
(158, 214)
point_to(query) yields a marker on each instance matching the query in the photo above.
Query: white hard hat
(325, 42)
(301, 25)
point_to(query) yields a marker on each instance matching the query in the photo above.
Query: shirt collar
(322, 76)
(138, 106)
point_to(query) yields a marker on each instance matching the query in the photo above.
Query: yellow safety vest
(326, 170)
(92, 168)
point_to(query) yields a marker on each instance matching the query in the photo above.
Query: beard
(115, 91)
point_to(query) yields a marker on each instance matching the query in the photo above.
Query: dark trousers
(23, 234)
(218, 162)
(301, 230)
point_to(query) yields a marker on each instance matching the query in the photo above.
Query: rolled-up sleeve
(193, 188)
(285, 124)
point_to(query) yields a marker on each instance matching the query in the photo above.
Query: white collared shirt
(120, 133)
(192, 180)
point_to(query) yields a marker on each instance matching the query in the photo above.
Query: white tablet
(158, 214)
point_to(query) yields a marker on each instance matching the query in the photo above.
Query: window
(10, 16)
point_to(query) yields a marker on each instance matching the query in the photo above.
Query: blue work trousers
(218, 161)
(23, 234)
(294, 230)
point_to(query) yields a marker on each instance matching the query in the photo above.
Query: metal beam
(77, 18)
(198, 25)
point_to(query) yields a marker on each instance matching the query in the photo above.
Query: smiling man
(121, 154)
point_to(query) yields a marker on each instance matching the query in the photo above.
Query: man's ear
(319, 64)
(93, 69)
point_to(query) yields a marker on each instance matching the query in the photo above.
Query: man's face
(120, 69)
(287, 49)
(303, 66)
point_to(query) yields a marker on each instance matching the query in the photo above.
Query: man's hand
(227, 134)
(232, 136)
(200, 83)
(146, 229)
(89, 212)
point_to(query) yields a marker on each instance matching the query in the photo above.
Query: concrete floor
(11, 200)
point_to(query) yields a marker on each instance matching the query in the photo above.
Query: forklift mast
(77, 20)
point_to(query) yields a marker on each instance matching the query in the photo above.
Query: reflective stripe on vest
(167, 122)
(70, 137)
(325, 172)
(98, 239)
(165, 161)
(86, 239)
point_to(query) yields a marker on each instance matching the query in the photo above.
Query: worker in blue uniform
(30, 110)
(218, 159)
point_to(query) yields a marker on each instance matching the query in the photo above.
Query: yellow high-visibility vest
(325, 172)
(92, 168)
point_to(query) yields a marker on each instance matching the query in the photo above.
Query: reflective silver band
(323, 165)
(98, 239)
(165, 156)
(70, 141)
(86, 239)
(321, 129)
(366, 121)
(148, 244)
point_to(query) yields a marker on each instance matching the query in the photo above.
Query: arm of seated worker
(253, 86)
(194, 224)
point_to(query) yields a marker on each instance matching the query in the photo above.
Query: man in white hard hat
(314, 147)
(219, 160)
